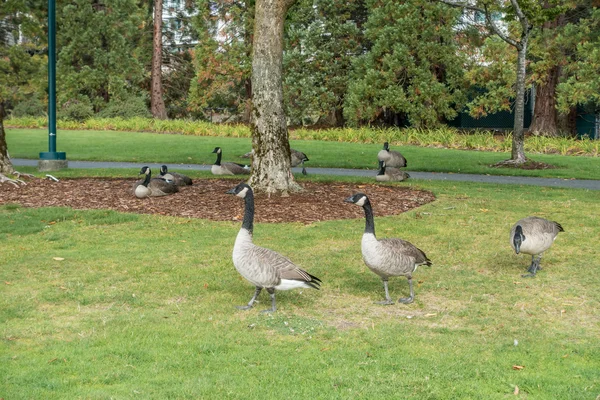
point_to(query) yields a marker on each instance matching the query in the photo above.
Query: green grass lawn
(173, 149)
(99, 304)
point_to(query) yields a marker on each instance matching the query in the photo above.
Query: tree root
(16, 182)
(511, 163)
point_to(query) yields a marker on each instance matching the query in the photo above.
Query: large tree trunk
(156, 96)
(567, 123)
(271, 169)
(545, 116)
(5, 164)
(544, 111)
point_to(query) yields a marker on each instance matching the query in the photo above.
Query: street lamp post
(52, 160)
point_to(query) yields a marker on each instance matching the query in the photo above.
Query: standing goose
(533, 235)
(392, 158)
(178, 179)
(388, 174)
(298, 158)
(153, 187)
(387, 257)
(227, 168)
(264, 268)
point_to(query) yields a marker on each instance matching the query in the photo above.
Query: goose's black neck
(369, 222)
(381, 169)
(248, 222)
(218, 162)
(146, 179)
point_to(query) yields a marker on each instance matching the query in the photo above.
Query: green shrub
(32, 107)
(126, 109)
(76, 110)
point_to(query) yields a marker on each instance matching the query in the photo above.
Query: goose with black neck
(387, 257)
(264, 268)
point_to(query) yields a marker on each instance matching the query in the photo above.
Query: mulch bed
(207, 199)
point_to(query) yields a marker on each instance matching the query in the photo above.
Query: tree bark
(544, 111)
(5, 164)
(271, 164)
(567, 123)
(156, 96)
(545, 116)
(518, 142)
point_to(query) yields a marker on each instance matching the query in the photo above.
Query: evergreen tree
(22, 62)
(322, 39)
(222, 57)
(581, 86)
(97, 57)
(413, 67)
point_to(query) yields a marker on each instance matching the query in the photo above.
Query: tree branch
(488, 19)
(498, 31)
(522, 17)
(464, 6)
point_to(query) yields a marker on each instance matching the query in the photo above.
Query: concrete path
(440, 176)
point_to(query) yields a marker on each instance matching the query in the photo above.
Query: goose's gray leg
(273, 307)
(408, 300)
(535, 265)
(388, 300)
(252, 300)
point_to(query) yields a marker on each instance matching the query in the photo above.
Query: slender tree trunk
(271, 164)
(518, 142)
(156, 97)
(544, 111)
(5, 164)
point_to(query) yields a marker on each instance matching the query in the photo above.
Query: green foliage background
(346, 63)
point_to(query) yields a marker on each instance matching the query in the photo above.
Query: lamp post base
(52, 161)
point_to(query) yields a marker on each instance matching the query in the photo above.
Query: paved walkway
(439, 176)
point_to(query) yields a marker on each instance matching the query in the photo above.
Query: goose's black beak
(230, 191)
(349, 200)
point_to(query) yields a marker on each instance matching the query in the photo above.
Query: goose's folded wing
(405, 249)
(284, 267)
(236, 169)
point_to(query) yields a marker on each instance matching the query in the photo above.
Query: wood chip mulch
(207, 199)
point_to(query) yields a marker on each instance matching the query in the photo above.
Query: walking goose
(178, 179)
(264, 268)
(388, 174)
(392, 158)
(227, 168)
(298, 158)
(387, 257)
(533, 235)
(153, 187)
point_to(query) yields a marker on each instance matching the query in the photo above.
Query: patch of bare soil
(529, 164)
(207, 199)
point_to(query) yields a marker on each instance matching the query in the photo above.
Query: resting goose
(392, 158)
(387, 257)
(296, 158)
(178, 179)
(533, 235)
(388, 174)
(262, 267)
(153, 187)
(227, 168)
